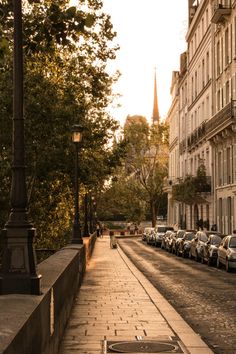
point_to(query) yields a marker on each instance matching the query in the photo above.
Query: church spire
(155, 113)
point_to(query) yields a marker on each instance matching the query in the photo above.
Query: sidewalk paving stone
(117, 303)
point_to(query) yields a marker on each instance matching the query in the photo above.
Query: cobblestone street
(204, 296)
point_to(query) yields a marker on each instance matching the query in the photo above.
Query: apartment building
(221, 127)
(202, 189)
(173, 121)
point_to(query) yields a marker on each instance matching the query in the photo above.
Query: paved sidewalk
(117, 303)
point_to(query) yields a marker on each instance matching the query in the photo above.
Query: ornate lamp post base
(18, 274)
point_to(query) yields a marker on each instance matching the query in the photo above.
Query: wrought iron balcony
(220, 11)
(221, 120)
(197, 135)
(182, 146)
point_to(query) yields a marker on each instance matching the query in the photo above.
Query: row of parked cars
(209, 247)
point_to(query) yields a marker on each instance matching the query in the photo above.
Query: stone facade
(202, 127)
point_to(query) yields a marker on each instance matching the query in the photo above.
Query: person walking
(98, 229)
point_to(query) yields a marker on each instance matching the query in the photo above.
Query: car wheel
(227, 266)
(218, 265)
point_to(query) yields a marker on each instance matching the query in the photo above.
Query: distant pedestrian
(128, 226)
(102, 227)
(98, 229)
(113, 242)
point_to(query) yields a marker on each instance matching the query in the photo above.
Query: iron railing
(226, 116)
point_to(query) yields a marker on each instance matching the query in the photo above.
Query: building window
(192, 89)
(228, 166)
(218, 100)
(203, 29)
(203, 73)
(207, 163)
(218, 58)
(220, 215)
(203, 112)
(195, 95)
(220, 168)
(229, 214)
(226, 47)
(207, 67)
(227, 92)
(207, 108)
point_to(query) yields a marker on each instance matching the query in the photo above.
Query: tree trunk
(153, 213)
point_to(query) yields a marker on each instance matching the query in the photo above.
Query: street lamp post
(18, 271)
(86, 229)
(91, 230)
(77, 138)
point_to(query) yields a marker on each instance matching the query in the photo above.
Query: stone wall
(32, 324)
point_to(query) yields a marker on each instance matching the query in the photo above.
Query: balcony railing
(197, 135)
(182, 146)
(220, 10)
(223, 118)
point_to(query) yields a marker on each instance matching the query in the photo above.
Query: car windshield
(189, 237)
(215, 240)
(180, 234)
(161, 229)
(232, 243)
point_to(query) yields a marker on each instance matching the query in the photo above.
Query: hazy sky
(151, 33)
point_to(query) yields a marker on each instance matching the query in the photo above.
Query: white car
(227, 253)
(146, 232)
(159, 232)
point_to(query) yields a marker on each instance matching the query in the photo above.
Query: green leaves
(89, 21)
(65, 82)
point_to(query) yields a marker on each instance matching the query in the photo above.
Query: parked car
(210, 249)
(164, 241)
(159, 232)
(146, 231)
(170, 236)
(179, 236)
(150, 236)
(196, 245)
(227, 253)
(184, 243)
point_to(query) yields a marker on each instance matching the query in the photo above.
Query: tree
(137, 189)
(148, 161)
(66, 50)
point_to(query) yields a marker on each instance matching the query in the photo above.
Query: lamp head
(77, 133)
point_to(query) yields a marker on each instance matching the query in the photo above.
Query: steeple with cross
(155, 112)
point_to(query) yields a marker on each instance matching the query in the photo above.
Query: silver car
(227, 253)
(146, 232)
(151, 236)
(210, 249)
(196, 245)
(159, 232)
